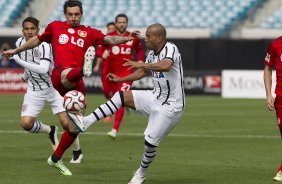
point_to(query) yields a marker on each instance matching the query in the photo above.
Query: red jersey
(99, 51)
(274, 58)
(117, 54)
(70, 43)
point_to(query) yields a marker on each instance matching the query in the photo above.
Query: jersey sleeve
(46, 36)
(99, 51)
(270, 55)
(98, 36)
(170, 50)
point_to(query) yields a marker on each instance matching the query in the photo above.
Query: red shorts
(104, 79)
(120, 86)
(56, 81)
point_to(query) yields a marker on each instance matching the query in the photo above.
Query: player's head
(155, 37)
(121, 23)
(30, 27)
(111, 27)
(73, 12)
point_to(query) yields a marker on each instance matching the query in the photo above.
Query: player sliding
(163, 105)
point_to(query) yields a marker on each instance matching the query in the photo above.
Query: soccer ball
(74, 101)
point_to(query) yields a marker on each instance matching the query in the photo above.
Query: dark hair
(111, 24)
(32, 20)
(72, 3)
(121, 15)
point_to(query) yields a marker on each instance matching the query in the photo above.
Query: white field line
(170, 135)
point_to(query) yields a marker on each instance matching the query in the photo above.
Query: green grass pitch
(217, 141)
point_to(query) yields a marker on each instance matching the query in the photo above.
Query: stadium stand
(10, 11)
(217, 16)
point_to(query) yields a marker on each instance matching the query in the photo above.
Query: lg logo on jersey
(63, 39)
(116, 50)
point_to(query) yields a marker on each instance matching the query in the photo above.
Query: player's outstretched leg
(60, 166)
(88, 61)
(104, 110)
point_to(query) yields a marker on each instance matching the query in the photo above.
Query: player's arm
(267, 75)
(97, 65)
(108, 40)
(42, 68)
(136, 75)
(162, 66)
(31, 43)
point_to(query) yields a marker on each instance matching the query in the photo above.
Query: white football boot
(137, 179)
(278, 176)
(88, 61)
(77, 119)
(112, 134)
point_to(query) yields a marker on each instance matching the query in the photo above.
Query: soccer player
(116, 58)
(38, 64)
(102, 58)
(70, 42)
(273, 59)
(163, 105)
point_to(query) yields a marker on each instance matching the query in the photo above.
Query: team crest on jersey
(71, 30)
(63, 39)
(129, 42)
(82, 33)
(36, 54)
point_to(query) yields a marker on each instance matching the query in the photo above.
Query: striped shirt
(168, 86)
(37, 82)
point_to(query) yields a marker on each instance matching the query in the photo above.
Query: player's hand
(9, 53)
(270, 103)
(96, 69)
(133, 34)
(113, 77)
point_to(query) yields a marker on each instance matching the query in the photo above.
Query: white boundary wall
(244, 84)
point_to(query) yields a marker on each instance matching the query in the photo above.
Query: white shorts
(34, 102)
(161, 121)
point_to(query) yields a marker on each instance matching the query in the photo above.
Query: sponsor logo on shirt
(267, 58)
(82, 33)
(63, 39)
(116, 50)
(71, 31)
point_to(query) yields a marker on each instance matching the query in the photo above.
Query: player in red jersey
(102, 58)
(117, 56)
(70, 41)
(274, 59)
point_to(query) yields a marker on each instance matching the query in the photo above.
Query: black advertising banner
(194, 82)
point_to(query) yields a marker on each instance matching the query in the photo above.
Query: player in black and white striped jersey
(164, 104)
(38, 63)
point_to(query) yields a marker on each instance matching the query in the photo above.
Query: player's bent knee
(64, 80)
(26, 124)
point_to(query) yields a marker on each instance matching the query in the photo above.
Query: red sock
(65, 142)
(74, 75)
(118, 118)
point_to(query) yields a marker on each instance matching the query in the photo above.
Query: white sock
(76, 144)
(39, 127)
(107, 109)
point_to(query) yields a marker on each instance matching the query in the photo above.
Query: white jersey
(37, 82)
(168, 86)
